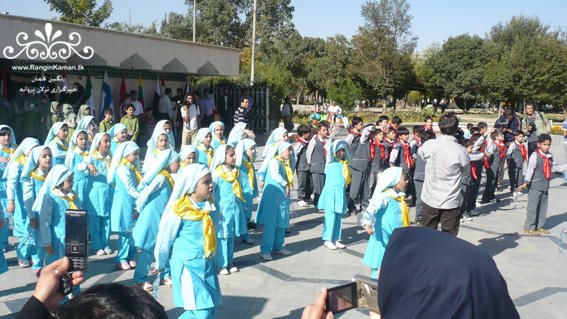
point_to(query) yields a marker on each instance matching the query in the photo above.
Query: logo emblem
(48, 48)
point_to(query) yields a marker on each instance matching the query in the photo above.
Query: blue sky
(433, 20)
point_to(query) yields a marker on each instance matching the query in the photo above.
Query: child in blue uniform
(57, 142)
(386, 211)
(203, 144)
(75, 160)
(333, 197)
(118, 135)
(187, 155)
(98, 201)
(33, 176)
(245, 153)
(7, 149)
(187, 224)
(227, 193)
(3, 225)
(156, 144)
(124, 173)
(55, 197)
(165, 125)
(273, 210)
(88, 124)
(239, 132)
(217, 132)
(157, 187)
(277, 136)
(16, 200)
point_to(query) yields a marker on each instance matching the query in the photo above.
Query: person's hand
(10, 207)
(156, 271)
(34, 223)
(521, 187)
(47, 287)
(249, 133)
(4, 159)
(93, 170)
(374, 315)
(369, 229)
(317, 310)
(287, 190)
(49, 250)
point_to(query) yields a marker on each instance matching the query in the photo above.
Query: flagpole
(194, 14)
(253, 43)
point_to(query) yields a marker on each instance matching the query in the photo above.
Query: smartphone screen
(341, 298)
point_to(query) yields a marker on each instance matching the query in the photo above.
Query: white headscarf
(57, 175)
(201, 134)
(214, 125)
(164, 159)
(236, 133)
(170, 137)
(219, 158)
(81, 114)
(152, 146)
(54, 131)
(27, 144)
(275, 150)
(123, 150)
(241, 148)
(333, 148)
(31, 164)
(13, 141)
(84, 123)
(96, 140)
(186, 150)
(116, 128)
(273, 139)
(71, 150)
(186, 183)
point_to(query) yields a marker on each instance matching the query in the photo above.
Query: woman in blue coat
(33, 176)
(16, 207)
(157, 186)
(203, 144)
(187, 225)
(118, 135)
(98, 201)
(55, 197)
(386, 211)
(273, 210)
(75, 160)
(227, 193)
(245, 153)
(333, 197)
(57, 142)
(124, 174)
(217, 134)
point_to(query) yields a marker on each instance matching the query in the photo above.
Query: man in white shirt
(165, 107)
(132, 99)
(190, 116)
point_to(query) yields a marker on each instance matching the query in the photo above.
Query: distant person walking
(287, 114)
(536, 124)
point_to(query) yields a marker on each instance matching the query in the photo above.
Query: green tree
(346, 93)
(81, 11)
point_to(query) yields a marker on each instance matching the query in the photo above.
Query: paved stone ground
(534, 267)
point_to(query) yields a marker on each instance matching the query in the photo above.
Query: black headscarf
(431, 274)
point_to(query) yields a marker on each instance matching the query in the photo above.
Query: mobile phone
(76, 238)
(361, 293)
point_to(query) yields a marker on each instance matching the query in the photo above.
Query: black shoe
(287, 231)
(252, 225)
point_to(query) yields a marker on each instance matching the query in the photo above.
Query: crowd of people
(183, 207)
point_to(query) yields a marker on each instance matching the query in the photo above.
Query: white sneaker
(23, 263)
(473, 213)
(108, 251)
(100, 252)
(232, 268)
(463, 219)
(267, 257)
(339, 244)
(468, 217)
(330, 245)
(224, 271)
(302, 203)
(283, 252)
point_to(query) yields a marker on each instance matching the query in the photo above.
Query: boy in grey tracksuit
(316, 157)
(360, 170)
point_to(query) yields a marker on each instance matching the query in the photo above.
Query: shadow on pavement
(496, 245)
(231, 307)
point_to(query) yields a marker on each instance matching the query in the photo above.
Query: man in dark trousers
(225, 108)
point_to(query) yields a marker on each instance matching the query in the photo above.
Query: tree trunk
(384, 107)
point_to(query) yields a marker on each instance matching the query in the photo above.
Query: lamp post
(194, 13)
(253, 44)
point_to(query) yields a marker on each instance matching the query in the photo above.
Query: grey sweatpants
(537, 209)
(418, 202)
(318, 183)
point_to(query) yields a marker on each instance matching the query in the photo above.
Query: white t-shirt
(193, 115)
(334, 109)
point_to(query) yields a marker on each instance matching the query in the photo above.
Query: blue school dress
(3, 263)
(273, 209)
(113, 145)
(204, 158)
(32, 184)
(4, 231)
(98, 201)
(215, 142)
(58, 151)
(22, 227)
(249, 187)
(80, 174)
(333, 200)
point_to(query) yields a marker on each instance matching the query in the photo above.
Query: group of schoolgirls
(487, 150)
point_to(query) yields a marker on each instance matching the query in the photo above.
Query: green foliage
(345, 93)
(81, 11)
(414, 97)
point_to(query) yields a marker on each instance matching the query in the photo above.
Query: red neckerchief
(546, 164)
(486, 164)
(376, 143)
(473, 171)
(355, 132)
(418, 140)
(302, 141)
(522, 149)
(407, 154)
(502, 148)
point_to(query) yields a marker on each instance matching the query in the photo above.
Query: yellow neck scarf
(231, 177)
(101, 158)
(288, 171)
(404, 208)
(250, 168)
(209, 151)
(219, 140)
(185, 209)
(78, 151)
(60, 143)
(166, 174)
(132, 167)
(9, 151)
(69, 197)
(21, 160)
(346, 170)
(183, 164)
(34, 174)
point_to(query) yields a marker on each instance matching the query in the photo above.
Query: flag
(187, 88)
(162, 85)
(141, 93)
(89, 95)
(3, 88)
(122, 97)
(106, 100)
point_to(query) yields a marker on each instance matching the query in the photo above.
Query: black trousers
(305, 185)
(449, 218)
